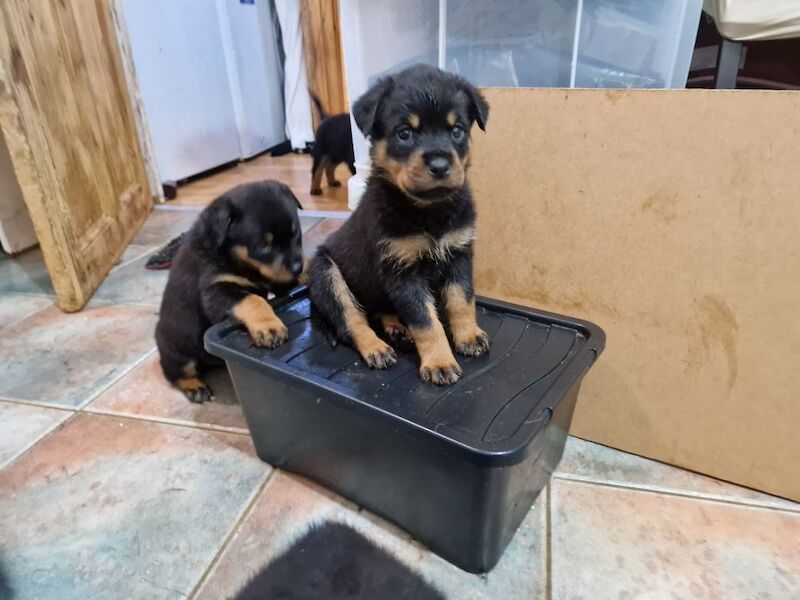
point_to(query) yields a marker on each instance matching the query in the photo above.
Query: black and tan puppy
(407, 250)
(333, 145)
(244, 245)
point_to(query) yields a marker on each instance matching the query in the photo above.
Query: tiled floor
(113, 486)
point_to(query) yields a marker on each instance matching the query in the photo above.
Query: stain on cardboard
(662, 205)
(715, 329)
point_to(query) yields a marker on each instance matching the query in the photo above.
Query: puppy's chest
(410, 250)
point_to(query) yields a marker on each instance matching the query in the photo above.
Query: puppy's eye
(404, 134)
(457, 132)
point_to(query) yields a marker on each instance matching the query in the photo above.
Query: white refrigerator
(210, 78)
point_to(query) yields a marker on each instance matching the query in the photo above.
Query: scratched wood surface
(323, 53)
(66, 117)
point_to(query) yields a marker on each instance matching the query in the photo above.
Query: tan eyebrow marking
(452, 118)
(414, 121)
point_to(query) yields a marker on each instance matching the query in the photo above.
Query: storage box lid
(501, 401)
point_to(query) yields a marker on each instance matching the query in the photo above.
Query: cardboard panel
(672, 219)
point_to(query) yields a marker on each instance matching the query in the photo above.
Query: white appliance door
(251, 51)
(183, 80)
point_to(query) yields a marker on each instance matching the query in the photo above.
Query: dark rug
(333, 562)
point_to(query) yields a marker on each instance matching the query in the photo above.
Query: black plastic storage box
(456, 466)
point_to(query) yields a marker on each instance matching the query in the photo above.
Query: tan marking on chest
(234, 280)
(410, 249)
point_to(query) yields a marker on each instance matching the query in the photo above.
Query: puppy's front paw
(474, 344)
(443, 372)
(269, 333)
(334, 183)
(316, 191)
(195, 390)
(378, 355)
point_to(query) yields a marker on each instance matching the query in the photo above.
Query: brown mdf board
(672, 219)
(67, 120)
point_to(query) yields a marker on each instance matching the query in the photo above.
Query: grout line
(158, 421)
(180, 207)
(32, 313)
(167, 421)
(548, 545)
(678, 494)
(237, 526)
(38, 440)
(340, 215)
(38, 403)
(146, 250)
(99, 392)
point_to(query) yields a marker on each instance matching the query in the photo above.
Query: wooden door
(67, 120)
(323, 53)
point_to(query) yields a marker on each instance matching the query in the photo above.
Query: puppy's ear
(217, 219)
(478, 107)
(365, 110)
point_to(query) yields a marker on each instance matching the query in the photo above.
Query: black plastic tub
(458, 467)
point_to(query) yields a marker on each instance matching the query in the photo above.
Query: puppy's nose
(297, 266)
(438, 166)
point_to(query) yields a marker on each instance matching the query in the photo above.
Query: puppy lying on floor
(333, 145)
(407, 249)
(245, 244)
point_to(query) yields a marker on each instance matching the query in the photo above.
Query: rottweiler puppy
(405, 255)
(333, 145)
(244, 245)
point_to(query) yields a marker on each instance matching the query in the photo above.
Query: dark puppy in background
(405, 255)
(245, 244)
(333, 145)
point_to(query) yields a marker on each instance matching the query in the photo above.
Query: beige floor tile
(66, 359)
(145, 393)
(616, 543)
(22, 425)
(587, 461)
(289, 505)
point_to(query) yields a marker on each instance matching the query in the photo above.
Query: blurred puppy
(333, 145)
(245, 244)
(405, 255)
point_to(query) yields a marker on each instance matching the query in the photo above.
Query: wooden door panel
(65, 112)
(323, 53)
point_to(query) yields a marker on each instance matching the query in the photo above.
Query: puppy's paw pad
(445, 373)
(380, 356)
(474, 345)
(316, 192)
(269, 334)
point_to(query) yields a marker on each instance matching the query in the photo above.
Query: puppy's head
(257, 225)
(419, 122)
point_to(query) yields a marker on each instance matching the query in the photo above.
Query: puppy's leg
(182, 373)
(459, 304)
(334, 300)
(263, 325)
(224, 296)
(319, 166)
(330, 174)
(416, 306)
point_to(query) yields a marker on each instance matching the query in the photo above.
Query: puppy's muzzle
(438, 166)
